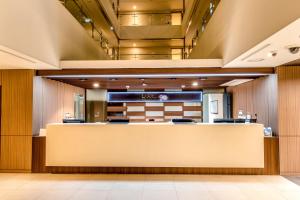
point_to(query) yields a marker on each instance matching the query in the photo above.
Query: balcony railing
(202, 26)
(88, 23)
(150, 56)
(150, 19)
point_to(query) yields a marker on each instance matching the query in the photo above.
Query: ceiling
(278, 44)
(151, 83)
(150, 5)
(153, 78)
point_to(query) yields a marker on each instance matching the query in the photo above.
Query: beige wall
(257, 97)
(46, 31)
(52, 99)
(238, 25)
(288, 119)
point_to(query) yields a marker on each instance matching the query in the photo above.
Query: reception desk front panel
(155, 145)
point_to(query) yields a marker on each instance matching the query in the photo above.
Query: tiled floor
(295, 179)
(146, 187)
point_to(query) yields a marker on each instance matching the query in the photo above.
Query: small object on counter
(73, 121)
(185, 120)
(268, 132)
(119, 121)
(240, 114)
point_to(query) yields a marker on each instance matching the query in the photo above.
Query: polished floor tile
(145, 187)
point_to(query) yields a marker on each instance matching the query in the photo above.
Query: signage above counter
(154, 96)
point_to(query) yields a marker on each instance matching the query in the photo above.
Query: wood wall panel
(15, 153)
(257, 97)
(17, 102)
(52, 99)
(288, 117)
(16, 120)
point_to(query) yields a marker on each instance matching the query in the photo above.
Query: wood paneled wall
(289, 119)
(52, 99)
(257, 97)
(16, 120)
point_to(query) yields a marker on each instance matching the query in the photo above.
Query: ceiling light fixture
(127, 86)
(138, 76)
(134, 44)
(195, 84)
(87, 20)
(272, 54)
(96, 85)
(112, 28)
(182, 86)
(144, 84)
(134, 7)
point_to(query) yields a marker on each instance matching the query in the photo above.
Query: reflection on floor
(295, 179)
(147, 187)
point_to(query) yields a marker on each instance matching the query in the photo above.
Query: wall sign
(154, 96)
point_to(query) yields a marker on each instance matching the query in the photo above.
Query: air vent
(235, 82)
(255, 52)
(256, 60)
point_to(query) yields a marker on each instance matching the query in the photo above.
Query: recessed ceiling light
(113, 79)
(87, 20)
(142, 79)
(134, 44)
(182, 86)
(272, 54)
(144, 84)
(203, 78)
(127, 86)
(195, 84)
(83, 79)
(134, 7)
(111, 28)
(96, 85)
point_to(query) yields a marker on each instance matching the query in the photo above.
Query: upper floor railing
(88, 23)
(205, 18)
(150, 19)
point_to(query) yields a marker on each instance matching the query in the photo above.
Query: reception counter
(155, 145)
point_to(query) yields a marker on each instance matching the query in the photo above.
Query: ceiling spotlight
(144, 84)
(272, 54)
(142, 79)
(127, 86)
(87, 20)
(83, 79)
(182, 86)
(96, 85)
(113, 79)
(195, 84)
(203, 78)
(134, 45)
(134, 7)
(112, 28)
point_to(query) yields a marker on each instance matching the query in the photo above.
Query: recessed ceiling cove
(281, 48)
